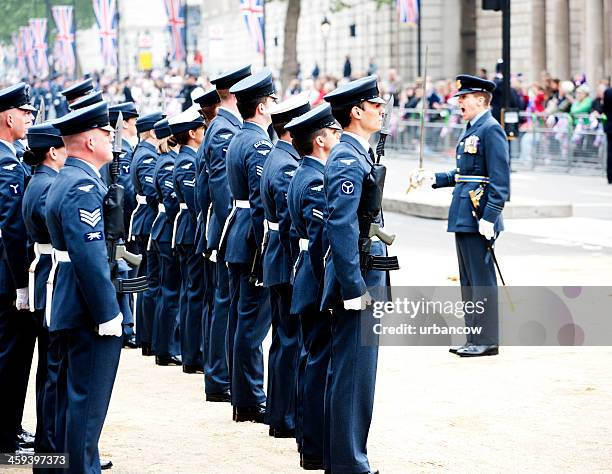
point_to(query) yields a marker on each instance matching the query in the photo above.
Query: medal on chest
(471, 144)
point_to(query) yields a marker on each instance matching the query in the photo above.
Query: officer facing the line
(17, 329)
(314, 135)
(83, 313)
(352, 376)
(481, 180)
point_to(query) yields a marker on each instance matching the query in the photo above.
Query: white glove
(359, 303)
(486, 228)
(22, 299)
(213, 256)
(114, 327)
(420, 178)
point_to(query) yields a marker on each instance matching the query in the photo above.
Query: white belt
(242, 204)
(272, 225)
(208, 216)
(57, 256)
(304, 244)
(140, 199)
(183, 206)
(374, 238)
(0, 233)
(39, 249)
(161, 208)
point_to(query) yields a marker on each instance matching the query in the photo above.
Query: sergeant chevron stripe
(90, 217)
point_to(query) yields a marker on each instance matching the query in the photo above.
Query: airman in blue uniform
(314, 135)
(349, 397)
(166, 343)
(482, 170)
(241, 245)
(208, 102)
(77, 90)
(141, 221)
(188, 130)
(219, 134)
(17, 329)
(83, 311)
(47, 154)
(279, 252)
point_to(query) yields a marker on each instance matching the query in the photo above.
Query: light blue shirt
(475, 119)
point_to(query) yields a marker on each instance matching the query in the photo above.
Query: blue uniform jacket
(84, 295)
(486, 155)
(141, 171)
(346, 170)
(217, 139)
(203, 200)
(246, 155)
(161, 230)
(34, 215)
(281, 248)
(306, 203)
(184, 187)
(13, 250)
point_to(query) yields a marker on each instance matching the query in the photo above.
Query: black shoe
(455, 349)
(253, 413)
(168, 360)
(24, 451)
(311, 464)
(25, 439)
(146, 349)
(193, 368)
(282, 433)
(130, 343)
(224, 396)
(105, 464)
(478, 351)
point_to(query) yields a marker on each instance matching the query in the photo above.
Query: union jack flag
(253, 14)
(106, 17)
(39, 33)
(176, 26)
(64, 40)
(27, 43)
(21, 64)
(408, 11)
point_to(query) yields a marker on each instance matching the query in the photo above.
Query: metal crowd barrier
(558, 142)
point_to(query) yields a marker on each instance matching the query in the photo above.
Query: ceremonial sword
(422, 131)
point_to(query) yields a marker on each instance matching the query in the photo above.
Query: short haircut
(247, 108)
(343, 114)
(279, 128)
(486, 95)
(303, 144)
(182, 137)
(224, 94)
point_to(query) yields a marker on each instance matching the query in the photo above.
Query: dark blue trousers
(42, 443)
(217, 376)
(191, 300)
(165, 327)
(208, 298)
(88, 366)
(282, 360)
(349, 399)
(17, 338)
(316, 337)
(252, 325)
(147, 300)
(478, 283)
(54, 406)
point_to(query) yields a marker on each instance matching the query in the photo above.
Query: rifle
(114, 227)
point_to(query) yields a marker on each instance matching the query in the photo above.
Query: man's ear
(320, 140)
(356, 112)
(89, 143)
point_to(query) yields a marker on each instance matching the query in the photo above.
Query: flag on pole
(408, 11)
(27, 42)
(39, 34)
(253, 14)
(21, 64)
(64, 41)
(106, 18)
(176, 26)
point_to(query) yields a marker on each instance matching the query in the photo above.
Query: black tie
(469, 124)
(371, 153)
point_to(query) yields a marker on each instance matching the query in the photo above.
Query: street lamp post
(325, 27)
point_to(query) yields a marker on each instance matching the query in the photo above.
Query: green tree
(16, 13)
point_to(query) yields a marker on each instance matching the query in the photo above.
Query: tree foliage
(16, 13)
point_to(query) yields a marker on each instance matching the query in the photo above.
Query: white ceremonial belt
(39, 249)
(57, 256)
(304, 244)
(374, 238)
(242, 204)
(161, 208)
(140, 199)
(272, 225)
(183, 206)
